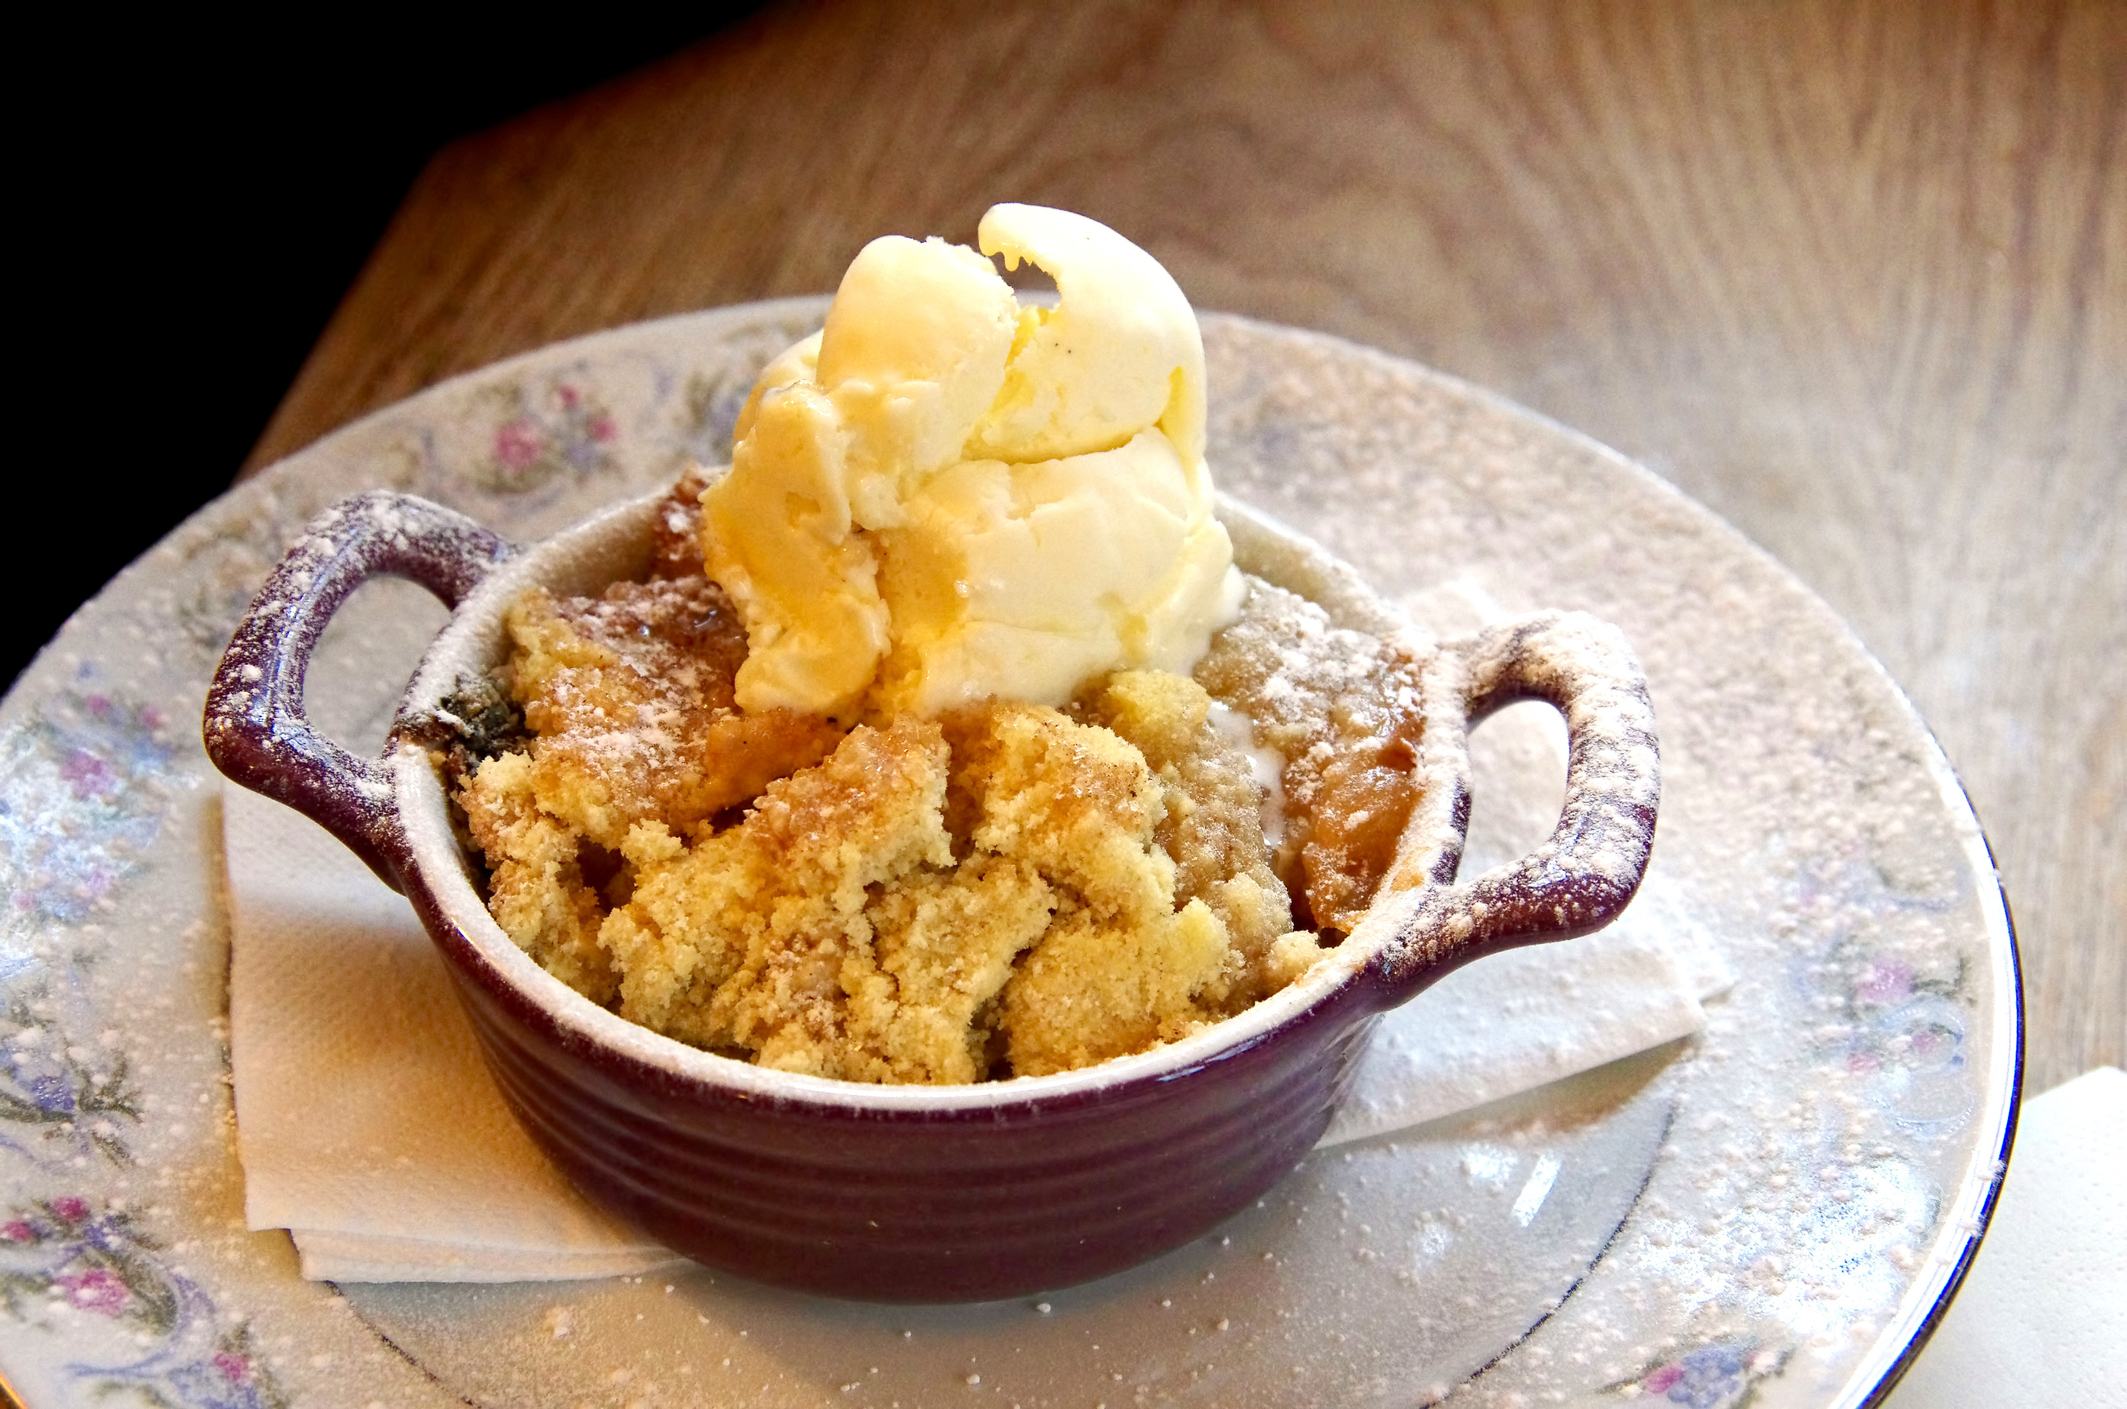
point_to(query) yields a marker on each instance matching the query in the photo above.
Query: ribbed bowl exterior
(918, 1205)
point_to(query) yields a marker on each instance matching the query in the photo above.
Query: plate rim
(1912, 1323)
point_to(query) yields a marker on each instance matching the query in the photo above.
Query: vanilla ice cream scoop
(945, 496)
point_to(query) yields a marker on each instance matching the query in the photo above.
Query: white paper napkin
(1528, 1017)
(2042, 1316)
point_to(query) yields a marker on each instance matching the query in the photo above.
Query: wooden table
(1855, 275)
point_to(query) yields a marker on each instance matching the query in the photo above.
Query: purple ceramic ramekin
(927, 1193)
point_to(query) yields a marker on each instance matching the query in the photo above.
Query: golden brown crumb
(834, 931)
(629, 697)
(536, 886)
(1118, 968)
(1343, 710)
(745, 940)
(946, 943)
(1213, 827)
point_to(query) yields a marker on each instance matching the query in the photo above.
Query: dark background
(197, 198)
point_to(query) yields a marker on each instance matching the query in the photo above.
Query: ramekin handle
(1585, 875)
(254, 726)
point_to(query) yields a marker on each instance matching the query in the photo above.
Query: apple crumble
(1004, 890)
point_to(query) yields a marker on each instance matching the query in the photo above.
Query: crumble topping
(1005, 890)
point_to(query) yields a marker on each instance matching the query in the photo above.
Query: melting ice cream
(948, 495)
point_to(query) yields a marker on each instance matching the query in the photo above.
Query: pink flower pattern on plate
(559, 434)
(95, 1290)
(66, 1253)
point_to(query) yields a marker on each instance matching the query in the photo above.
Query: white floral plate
(1775, 1211)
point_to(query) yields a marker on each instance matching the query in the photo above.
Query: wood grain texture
(1853, 274)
